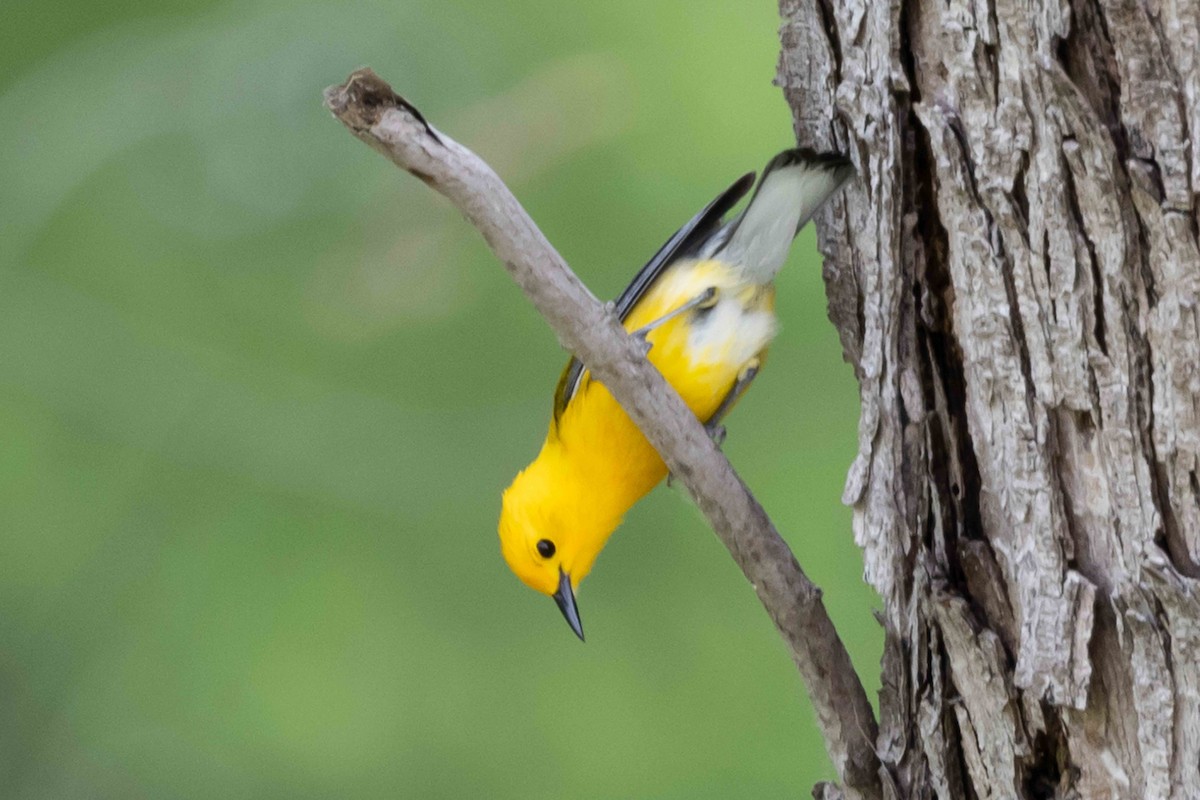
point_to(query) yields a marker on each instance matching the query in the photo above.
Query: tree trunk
(1014, 277)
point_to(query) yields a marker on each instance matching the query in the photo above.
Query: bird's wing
(686, 241)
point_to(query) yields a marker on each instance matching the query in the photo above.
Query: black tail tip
(830, 161)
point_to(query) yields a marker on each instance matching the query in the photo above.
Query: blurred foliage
(259, 393)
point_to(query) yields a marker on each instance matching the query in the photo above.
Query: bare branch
(391, 125)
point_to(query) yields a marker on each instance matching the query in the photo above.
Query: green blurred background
(260, 391)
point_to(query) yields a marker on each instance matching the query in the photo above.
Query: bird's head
(548, 534)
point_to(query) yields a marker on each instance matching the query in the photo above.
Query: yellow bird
(706, 305)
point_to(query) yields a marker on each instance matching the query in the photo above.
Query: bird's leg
(706, 299)
(714, 427)
(716, 431)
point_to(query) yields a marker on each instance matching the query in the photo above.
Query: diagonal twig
(391, 125)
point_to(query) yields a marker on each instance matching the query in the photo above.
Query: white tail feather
(794, 186)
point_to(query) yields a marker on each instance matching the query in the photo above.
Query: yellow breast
(700, 353)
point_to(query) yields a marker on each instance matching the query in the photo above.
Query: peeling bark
(1015, 280)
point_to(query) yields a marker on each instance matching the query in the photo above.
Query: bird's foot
(716, 432)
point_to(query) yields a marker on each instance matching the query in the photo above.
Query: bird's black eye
(545, 548)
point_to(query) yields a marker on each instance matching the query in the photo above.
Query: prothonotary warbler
(705, 303)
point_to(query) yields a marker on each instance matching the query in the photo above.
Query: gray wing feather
(686, 241)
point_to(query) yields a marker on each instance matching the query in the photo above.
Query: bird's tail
(793, 186)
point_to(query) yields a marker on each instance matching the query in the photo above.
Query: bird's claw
(716, 433)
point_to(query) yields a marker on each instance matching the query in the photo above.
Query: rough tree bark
(1015, 279)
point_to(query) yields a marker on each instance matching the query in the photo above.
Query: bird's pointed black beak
(565, 597)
